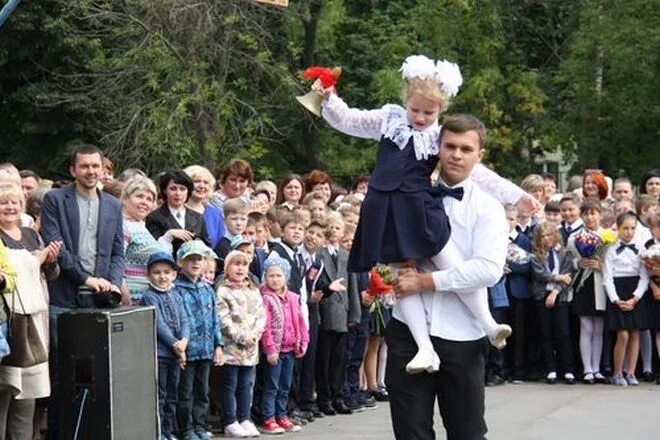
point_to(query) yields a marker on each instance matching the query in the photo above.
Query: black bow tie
(445, 191)
(622, 246)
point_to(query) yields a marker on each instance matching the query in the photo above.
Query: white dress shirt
(480, 232)
(624, 264)
(179, 215)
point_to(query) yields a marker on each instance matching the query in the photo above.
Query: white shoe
(235, 430)
(250, 429)
(498, 336)
(424, 360)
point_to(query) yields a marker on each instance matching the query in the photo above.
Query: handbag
(27, 348)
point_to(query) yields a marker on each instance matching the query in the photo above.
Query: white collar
(396, 128)
(175, 211)
(513, 234)
(576, 224)
(465, 184)
(332, 250)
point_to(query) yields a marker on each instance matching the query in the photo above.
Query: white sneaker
(250, 429)
(235, 430)
(424, 360)
(498, 336)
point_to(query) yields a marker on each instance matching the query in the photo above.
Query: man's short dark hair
(177, 176)
(84, 149)
(29, 173)
(463, 123)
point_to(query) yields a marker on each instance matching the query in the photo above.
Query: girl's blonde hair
(540, 249)
(426, 88)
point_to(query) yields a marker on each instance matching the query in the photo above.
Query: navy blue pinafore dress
(402, 217)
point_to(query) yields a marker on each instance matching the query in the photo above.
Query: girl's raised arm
(351, 121)
(497, 186)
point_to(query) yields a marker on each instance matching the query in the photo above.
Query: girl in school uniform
(402, 219)
(626, 281)
(552, 273)
(589, 301)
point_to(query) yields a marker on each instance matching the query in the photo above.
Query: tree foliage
(166, 83)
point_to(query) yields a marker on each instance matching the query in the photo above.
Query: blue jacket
(215, 224)
(200, 306)
(171, 318)
(497, 295)
(60, 221)
(518, 281)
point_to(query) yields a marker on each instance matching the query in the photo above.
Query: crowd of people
(274, 301)
(257, 316)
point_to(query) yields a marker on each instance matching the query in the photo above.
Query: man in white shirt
(480, 232)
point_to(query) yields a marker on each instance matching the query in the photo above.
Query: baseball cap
(194, 247)
(239, 240)
(161, 257)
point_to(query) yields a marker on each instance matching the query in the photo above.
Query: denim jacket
(171, 319)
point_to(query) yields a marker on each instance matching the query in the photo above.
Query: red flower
(377, 286)
(327, 75)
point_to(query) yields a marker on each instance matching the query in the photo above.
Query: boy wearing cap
(256, 257)
(205, 344)
(172, 330)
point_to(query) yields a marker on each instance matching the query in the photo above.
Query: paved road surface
(528, 412)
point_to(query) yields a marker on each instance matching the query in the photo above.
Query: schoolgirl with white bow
(626, 281)
(402, 218)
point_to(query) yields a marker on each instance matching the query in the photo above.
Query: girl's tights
(591, 342)
(627, 346)
(414, 314)
(646, 349)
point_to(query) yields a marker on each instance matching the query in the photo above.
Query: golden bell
(311, 101)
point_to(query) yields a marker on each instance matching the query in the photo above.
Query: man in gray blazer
(88, 222)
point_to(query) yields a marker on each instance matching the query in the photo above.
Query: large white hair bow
(447, 74)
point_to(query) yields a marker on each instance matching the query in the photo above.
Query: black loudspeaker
(108, 368)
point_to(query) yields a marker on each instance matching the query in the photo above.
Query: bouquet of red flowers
(381, 289)
(380, 281)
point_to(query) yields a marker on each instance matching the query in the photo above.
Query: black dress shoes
(327, 409)
(341, 408)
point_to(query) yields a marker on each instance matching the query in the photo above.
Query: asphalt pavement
(527, 412)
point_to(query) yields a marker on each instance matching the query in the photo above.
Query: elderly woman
(291, 192)
(203, 184)
(138, 199)
(20, 386)
(270, 187)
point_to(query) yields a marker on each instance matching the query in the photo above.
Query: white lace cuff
(353, 122)
(497, 186)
